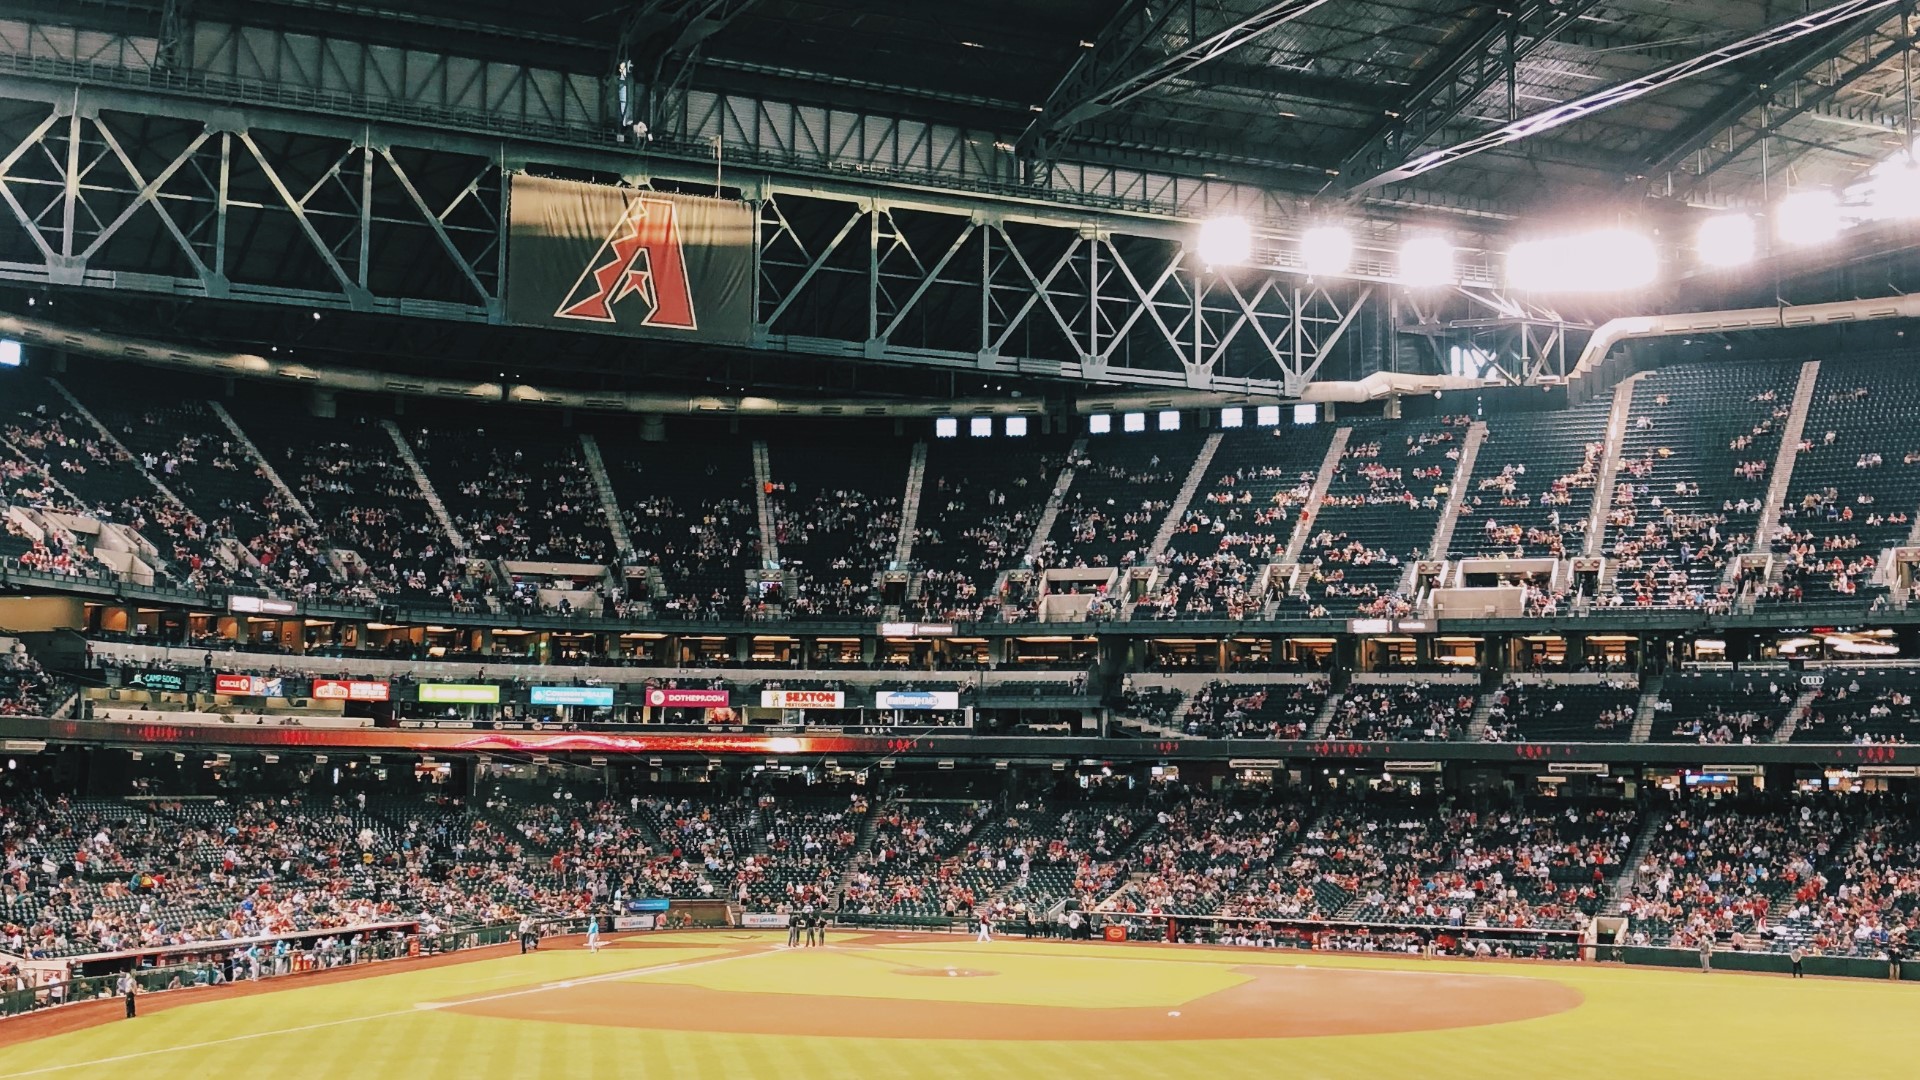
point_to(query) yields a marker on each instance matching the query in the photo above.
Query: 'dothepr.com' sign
(624, 261)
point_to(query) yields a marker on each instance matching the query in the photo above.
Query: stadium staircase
(1176, 512)
(1482, 713)
(609, 502)
(260, 461)
(1303, 524)
(439, 508)
(1196, 476)
(1644, 713)
(1596, 544)
(1044, 527)
(1630, 866)
(1324, 718)
(1791, 723)
(1457, 490)
(910, 508)
(230, 551)
(861, 859)
(762, 476)
(1790, 437)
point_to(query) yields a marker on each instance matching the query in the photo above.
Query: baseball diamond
(702, 1004)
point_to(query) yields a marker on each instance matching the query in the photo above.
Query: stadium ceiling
(920, 165)
(1313, 98)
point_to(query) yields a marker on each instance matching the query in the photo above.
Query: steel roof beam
(1124, 62)
(660, 43)
(1739, 101)
(1579, 108)
(1493, 46)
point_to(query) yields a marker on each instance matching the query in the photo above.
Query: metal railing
(375, 949)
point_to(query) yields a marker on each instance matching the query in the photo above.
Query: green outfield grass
(1635, 1022)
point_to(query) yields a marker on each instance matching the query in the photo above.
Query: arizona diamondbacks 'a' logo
(642, 258)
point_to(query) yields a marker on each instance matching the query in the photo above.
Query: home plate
(1175, 1012)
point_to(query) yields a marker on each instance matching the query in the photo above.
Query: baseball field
(727, 1004)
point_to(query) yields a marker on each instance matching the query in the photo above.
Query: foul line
(589, 980)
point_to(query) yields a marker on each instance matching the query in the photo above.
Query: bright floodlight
(1892, 188)
(1226, 241)
(1326, 249)
(1807, 217)
(1606, 260)
(1727, 240)
(1233, 417)
(1426, 261)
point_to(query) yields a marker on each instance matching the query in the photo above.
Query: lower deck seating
(1562, 712)
(1721, 708)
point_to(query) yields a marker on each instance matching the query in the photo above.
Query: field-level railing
(217, 965)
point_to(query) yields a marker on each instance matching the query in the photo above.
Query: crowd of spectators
(1420, 712)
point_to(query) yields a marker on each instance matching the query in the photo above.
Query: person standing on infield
(593, 933)
(986, 928)
(793, 930)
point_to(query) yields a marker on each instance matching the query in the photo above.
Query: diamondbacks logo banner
(621, 261)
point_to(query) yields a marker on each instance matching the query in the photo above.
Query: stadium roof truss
(356, 160)
(107, 187)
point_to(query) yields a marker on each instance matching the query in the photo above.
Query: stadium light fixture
(1891, 190)
(1805, 218)
(1326, 249)
(1233, 417)
(1604, 260)
(1726, 240)
(1426, 261)
(980, 427)
(946, 427)
(1017, 426)
(1099, 424)
(1169, 420)
(1133, 421)
(1266, 415)
(1226, 241)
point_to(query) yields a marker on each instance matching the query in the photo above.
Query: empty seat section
(1856, 481)
(1699, 448)
(691, 514)
(835, 502)
(1121, 492)
(979, 505)
(1239, 522)
(1380, 512)
(1532, 484)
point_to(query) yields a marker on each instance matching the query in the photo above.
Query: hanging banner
(621, 261)
(247, 686)
(917, 699)
(460, 693)
(662, 697)
(351, 690)
(802, 699)
(573, 695)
